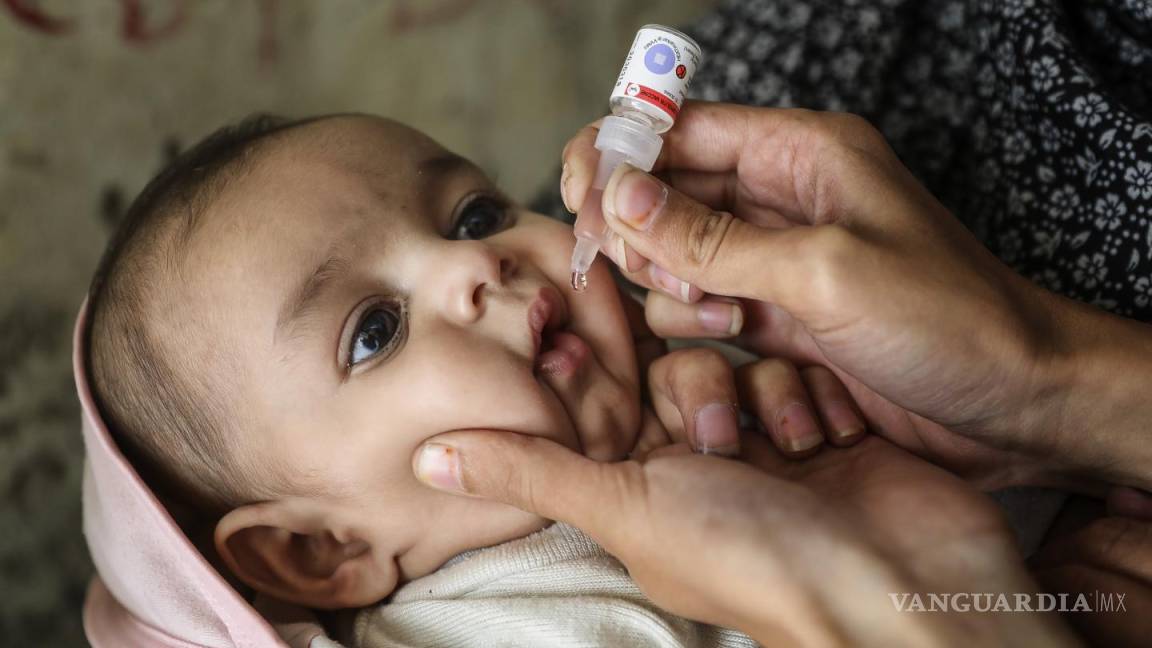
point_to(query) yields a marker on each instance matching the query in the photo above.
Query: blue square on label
(659, 59)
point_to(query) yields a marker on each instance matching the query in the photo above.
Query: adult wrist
(1092, 401)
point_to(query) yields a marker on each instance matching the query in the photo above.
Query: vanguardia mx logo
(1095, 601)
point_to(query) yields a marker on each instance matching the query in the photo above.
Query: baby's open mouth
(547, 342)
(558, 351)
(546, 314)
(561, 354)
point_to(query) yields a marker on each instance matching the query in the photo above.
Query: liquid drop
(579, 281)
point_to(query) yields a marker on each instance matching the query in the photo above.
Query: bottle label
(658, 69)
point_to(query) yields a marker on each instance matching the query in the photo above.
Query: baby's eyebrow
(444, 164)
(305, 296)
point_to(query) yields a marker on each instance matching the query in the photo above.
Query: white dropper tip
(582, 257)
(619, 140)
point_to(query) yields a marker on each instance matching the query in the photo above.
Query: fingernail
(797, 428)
(565, 175)
(843, 420)
(737, 319)
(720, 317)
(717, 430)
(439, 466)
(621, 253)
(670, 284)
(638, 198)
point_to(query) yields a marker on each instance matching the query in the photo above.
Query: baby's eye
(377, 331)
(481, 217)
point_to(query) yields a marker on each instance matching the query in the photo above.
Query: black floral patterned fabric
(1030, 119)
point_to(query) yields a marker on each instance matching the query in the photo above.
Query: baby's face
(377, 292)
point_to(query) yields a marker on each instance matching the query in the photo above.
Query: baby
(292, 308)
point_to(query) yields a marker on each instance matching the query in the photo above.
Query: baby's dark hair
(174, 422)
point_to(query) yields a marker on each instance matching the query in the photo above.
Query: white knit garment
(554, 588)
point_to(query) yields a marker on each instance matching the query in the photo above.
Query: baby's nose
(474, 271)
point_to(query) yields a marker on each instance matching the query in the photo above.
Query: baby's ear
(290, 553)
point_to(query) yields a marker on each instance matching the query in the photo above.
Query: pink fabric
(109, 625)
(154, 588)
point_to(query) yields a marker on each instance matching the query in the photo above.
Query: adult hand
(1108, 561)
(842, 259)
(697, 396)
(808, 560)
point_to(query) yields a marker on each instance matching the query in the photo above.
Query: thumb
(713, 250)
(531, 473)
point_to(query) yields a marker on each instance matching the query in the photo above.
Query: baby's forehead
(336, 165)
(339, 178)
(356, 143)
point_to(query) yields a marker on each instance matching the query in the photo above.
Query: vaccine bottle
(647, 97)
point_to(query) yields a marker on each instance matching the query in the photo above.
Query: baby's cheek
(452, 381)
(498, 397)
(547, 418)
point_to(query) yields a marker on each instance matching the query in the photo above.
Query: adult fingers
(773, 390)
(723, 191)
(1120, 545)
(692, 245)
(841, 417)
(711, 317)
(1111, 556)
(799, 163)
(628, 260)
(792, 163)
(579, 160)
(638, 270)
(709, 137)
(694, 396)
(759, 450)
(531, 473)
(1114, 600)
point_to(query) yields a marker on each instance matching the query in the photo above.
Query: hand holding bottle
(644, 102)
(839, 257)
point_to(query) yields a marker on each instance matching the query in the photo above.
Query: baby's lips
(565, 358)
